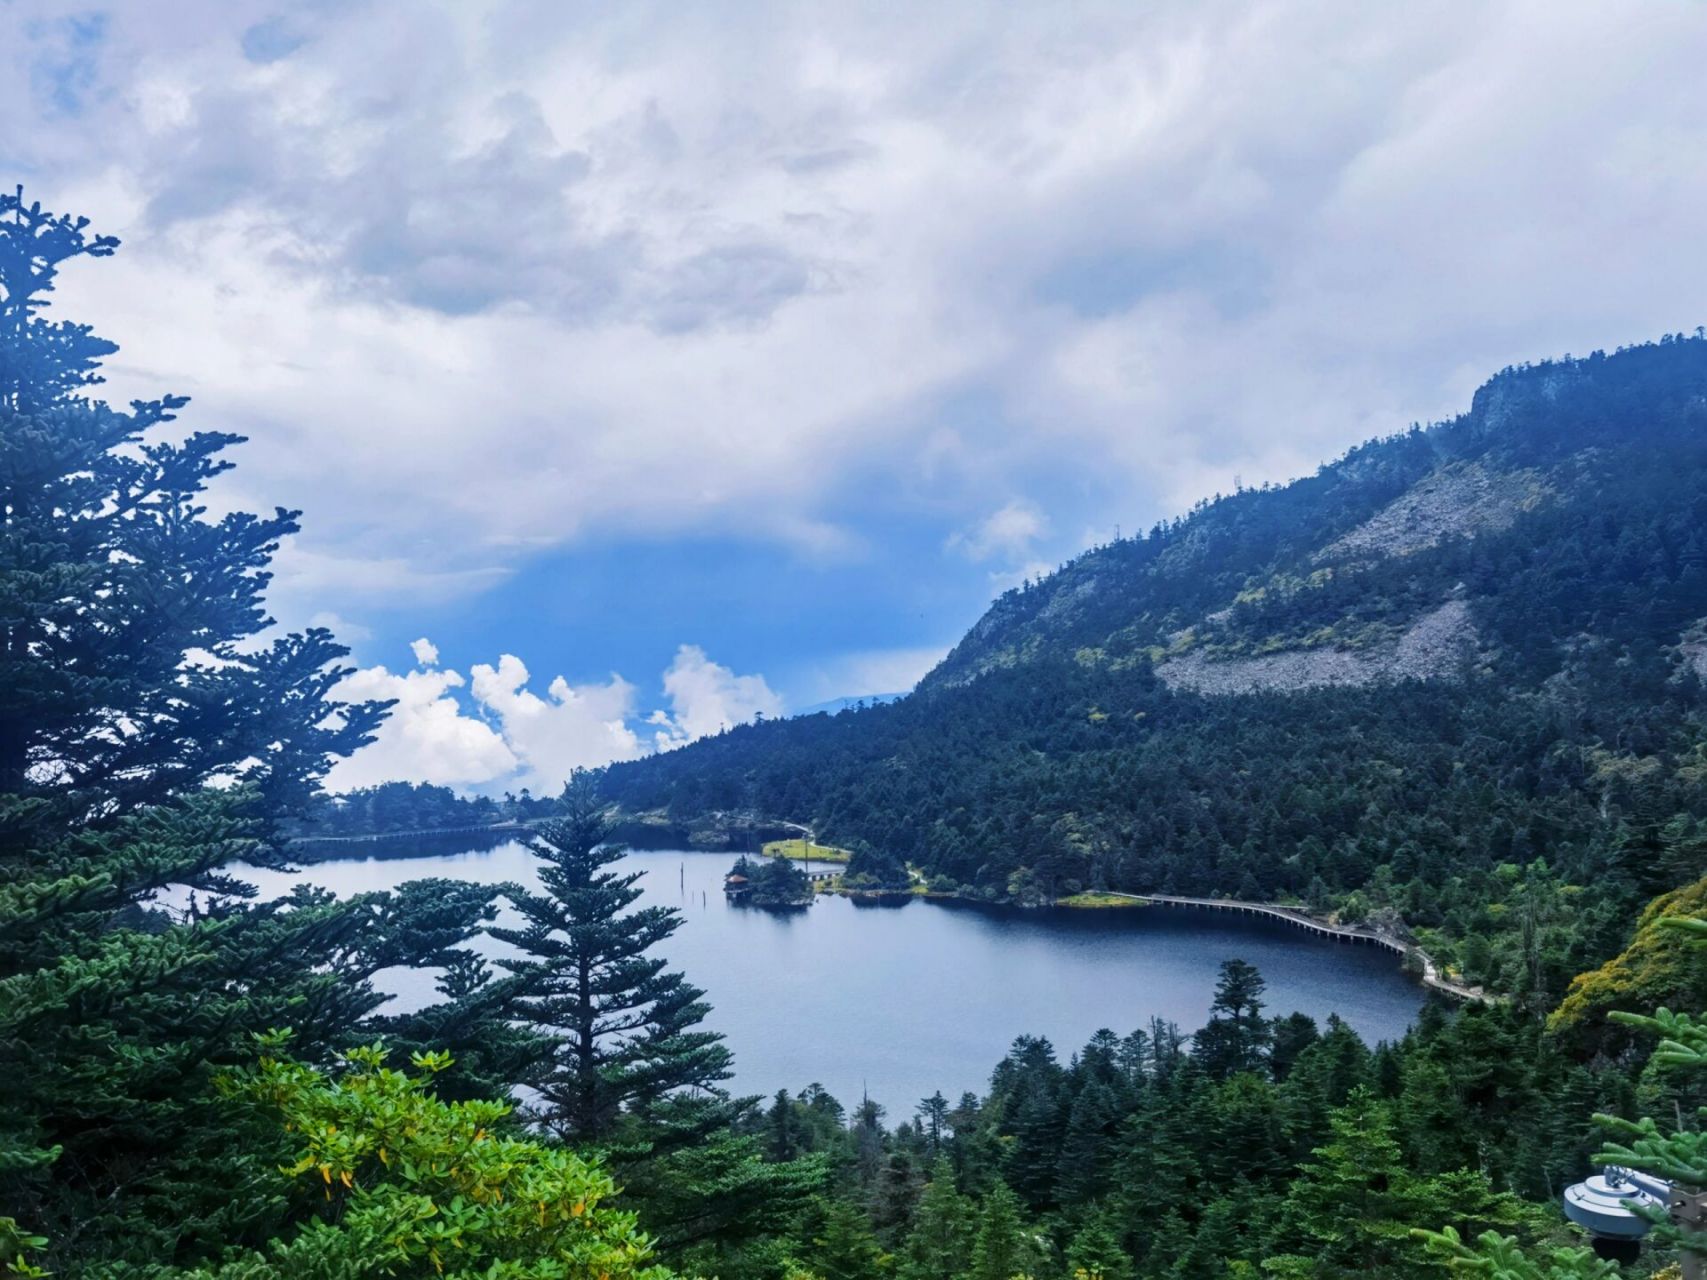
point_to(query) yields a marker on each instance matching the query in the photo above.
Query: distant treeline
(413, 806)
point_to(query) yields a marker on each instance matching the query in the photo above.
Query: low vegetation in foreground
(197, 1085)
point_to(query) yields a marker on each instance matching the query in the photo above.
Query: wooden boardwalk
(1432, 978)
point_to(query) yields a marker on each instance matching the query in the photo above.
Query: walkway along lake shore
(1430, 974)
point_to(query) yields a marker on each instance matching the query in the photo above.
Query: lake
(905, 999)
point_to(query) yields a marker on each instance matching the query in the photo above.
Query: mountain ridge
(1455, 669)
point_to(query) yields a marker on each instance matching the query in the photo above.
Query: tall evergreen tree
(625, 1030)
(1096, 1253)
(147, 739)
(933, 1116)
(1237, 1036)
(939, 1247)
(845, 1249)
(1004, 1247)
(1352, 1211)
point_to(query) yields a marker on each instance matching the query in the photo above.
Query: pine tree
(1351, 1211)
(1003, 1248)
(147, 739)
(782, 1137)
(939, 1247)
(894, 1194)
(845, 1249)
(1237, 1036)
(624, 1029)
(1095, 1252)
(933, 1114)
(1088, 1148)
(625, 1061)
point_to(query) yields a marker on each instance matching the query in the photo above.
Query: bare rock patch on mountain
(1457, 501)
(1433, 647)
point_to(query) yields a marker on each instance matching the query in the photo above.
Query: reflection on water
(907, 1000)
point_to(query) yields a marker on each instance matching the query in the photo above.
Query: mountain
(1454, 673)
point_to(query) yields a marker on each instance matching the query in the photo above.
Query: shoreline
(1427, 972)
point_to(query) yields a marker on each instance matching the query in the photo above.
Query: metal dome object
(1599, 1205)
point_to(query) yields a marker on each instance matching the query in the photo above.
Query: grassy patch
(1099, 900)
(803, 849)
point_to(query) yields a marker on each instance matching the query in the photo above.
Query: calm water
(903, 1000)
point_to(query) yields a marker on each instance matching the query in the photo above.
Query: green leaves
(405, 1185)
(1498, 1257)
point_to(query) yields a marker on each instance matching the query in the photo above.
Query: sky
(643, 368)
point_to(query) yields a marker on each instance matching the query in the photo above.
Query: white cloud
(480, 280)
(1009, 533)
(427, 737)
(572, 727)
(707, 698)
(506, 735)
(346, 631)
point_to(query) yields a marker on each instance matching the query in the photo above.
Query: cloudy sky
(640, 368)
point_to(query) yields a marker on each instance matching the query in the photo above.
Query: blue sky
(721, 359)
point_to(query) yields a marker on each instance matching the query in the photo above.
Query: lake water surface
(903, 1000)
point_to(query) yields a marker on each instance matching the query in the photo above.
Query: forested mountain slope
(1454, 673)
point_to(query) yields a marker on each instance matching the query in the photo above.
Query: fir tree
(1088, 1149)
(939, 1247)
(933, 1115)
(1237, 1036)
(624, 1029)
(147, 739)
(845, 1249)
(1004, 1247)
(625, 1061)
(1350, 1213)
(1096, 1253)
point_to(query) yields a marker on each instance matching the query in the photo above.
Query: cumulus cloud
(1008, 536)
(572, 727)
(502, 734)
(707, 698)
(427, 738)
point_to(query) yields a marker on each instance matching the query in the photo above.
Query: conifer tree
(625, 1030)
(933, 1116)
(845, 1249)
(1087, 1149)
(1350, 1212)
(626, 1063)
(1095, 1252)
(1237, 1036)
(1004, 1248)
(148, 737)
(939, 1247)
